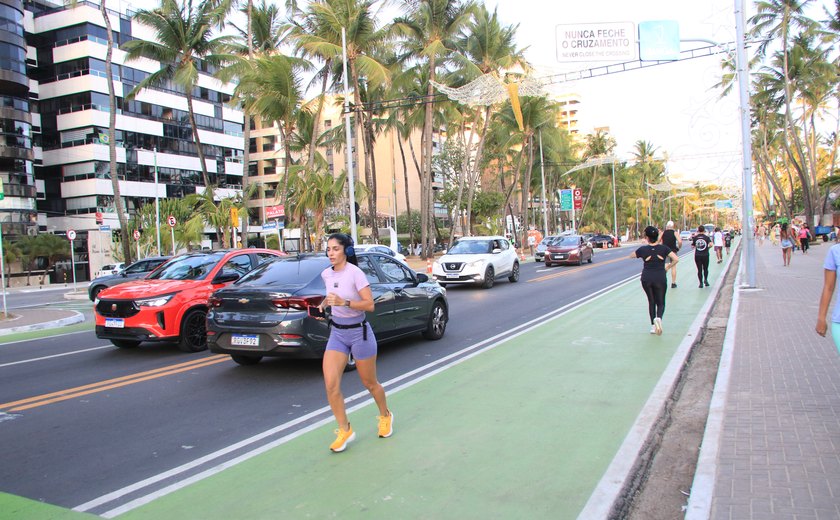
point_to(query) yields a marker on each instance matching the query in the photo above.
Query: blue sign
(659, 40)
(281, 224)
(566, 200)
(723, 204)
(106, 227)
(269, 225)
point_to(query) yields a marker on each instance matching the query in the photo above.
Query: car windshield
(567, 241)
(471, 247)
(286, 271)
(190, 267)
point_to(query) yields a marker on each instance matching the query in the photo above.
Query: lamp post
(544, 201)
(157, 205)
(348, 137)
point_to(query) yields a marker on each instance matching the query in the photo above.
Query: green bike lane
(527, 425)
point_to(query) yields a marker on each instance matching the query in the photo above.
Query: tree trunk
(427, 198)
(370, 171)
(407, 198)
(204, 175)
(112, 137)
(526, 189)
(363, 146)
(313, 142)
(476, 169)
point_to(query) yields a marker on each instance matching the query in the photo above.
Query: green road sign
(565, 200)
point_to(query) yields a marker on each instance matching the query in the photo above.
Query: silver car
(265, 312)
(539, 252)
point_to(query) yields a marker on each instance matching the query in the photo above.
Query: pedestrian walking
(727, 241)
(718, 243)
(654, 280)
(786, 237)
(831, 266)
(760, 233)
(672, 240)
(805, 238)
(774, 235)
(349, 297)
(701, 244)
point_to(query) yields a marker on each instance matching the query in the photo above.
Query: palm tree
(321, 37)
(647, 165)
(317, 192)
(185, 45)
(11, 253)
(430, 29)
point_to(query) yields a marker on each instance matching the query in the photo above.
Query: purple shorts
(351, 341)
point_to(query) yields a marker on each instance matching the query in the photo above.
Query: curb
(77, 317)
(606, 499)
(76, 296)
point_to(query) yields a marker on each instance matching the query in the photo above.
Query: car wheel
(548, 264)
(442, 284)
(590, 258)
(580, 260)
(125, 343)
(94, 293)
(194, 331)
(351, 364)
(489, 277)
(609, 246)
(436, 325)
(514, 276)
(245, 360)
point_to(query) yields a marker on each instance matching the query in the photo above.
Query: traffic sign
(270, 225)
(281, 224)
(610, 41)
(577, 195)
(566, 200)
(71, 235)
(136, 235)
(99, 217)
(105, 227)
(171, 221)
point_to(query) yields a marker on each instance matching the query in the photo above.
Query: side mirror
(497, 251)
(122, 273)
(225, 278)
(422, 278)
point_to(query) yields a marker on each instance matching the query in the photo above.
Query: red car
(171, 303)
(571, 249)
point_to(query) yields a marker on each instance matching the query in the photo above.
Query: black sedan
(137, 270)
(604, 241)
(265, 312)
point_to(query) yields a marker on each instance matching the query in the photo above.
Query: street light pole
(744, 96)
(348, 137)
(615, 209)
(157, 207)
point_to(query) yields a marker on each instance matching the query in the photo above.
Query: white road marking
(54, 356)
(441, 364)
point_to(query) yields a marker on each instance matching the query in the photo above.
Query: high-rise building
(17, 209)
(68, 95)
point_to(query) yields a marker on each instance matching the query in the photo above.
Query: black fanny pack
(363, 324)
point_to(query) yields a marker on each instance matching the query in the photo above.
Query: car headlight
(574, 251)
(476, 263)
(157, 301)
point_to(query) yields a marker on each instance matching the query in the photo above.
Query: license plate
(559, 257)
(245, 340)
(452, 276)
(115, 323)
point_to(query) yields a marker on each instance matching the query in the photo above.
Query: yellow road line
(70, 393)
(572, 271)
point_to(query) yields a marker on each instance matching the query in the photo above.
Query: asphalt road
(80, 419)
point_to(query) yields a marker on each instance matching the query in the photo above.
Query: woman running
(654, 280)
(349, 297)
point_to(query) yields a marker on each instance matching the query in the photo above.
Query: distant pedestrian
(774, 235)
(831, 266)
(672, 240)
(349, 297)
(786, 236)
(760, 232)
(701, 243)
(805, 238)
(718, 242)
(654, 280)
(727, 241)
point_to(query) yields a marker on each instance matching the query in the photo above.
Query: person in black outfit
(701, 244)
(672, 240)
(654, 280)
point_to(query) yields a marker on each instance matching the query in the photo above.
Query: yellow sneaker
(386, 424)
(342, 439)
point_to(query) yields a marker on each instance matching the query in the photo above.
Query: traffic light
(356, 211)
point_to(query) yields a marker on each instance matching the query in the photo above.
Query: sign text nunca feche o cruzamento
(596, 42)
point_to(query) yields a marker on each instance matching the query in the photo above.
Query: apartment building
(68, 95)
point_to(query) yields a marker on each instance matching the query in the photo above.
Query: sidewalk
(772, 443)
(27, 320)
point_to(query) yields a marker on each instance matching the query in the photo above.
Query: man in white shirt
(717, 239)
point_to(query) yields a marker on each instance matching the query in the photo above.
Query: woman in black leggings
(654, 281)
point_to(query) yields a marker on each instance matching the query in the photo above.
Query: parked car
(572, 249)
(686, 235)
(379, 248)
(477, 260)
(539, 252)
(139, 269)
(603, 241)
(110, 269)
(171, 303)
(266, 312)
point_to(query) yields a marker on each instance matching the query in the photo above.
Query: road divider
(109, 384)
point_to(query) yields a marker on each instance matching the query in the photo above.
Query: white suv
(477, 260)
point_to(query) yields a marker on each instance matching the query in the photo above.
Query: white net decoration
(489, 89)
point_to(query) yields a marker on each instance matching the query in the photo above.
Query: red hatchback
(171, 303)
(571, 249)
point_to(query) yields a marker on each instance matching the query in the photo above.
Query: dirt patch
(661, 488)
